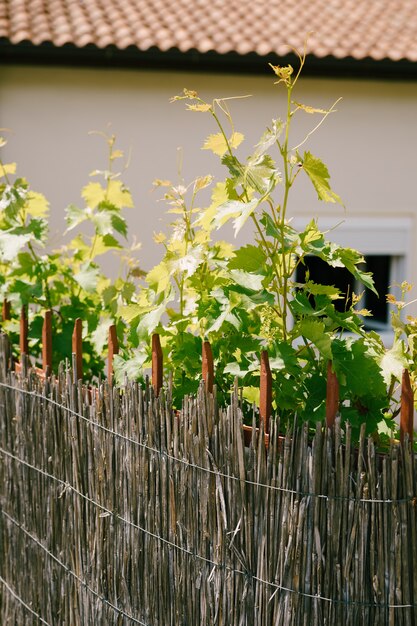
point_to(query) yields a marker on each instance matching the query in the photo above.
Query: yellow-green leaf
(37, 205)
(217, 143)
(7, 168)
(158, 277)
(236, 139)
(93, 194)
(118, 195)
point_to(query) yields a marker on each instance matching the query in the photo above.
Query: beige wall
(369, 144)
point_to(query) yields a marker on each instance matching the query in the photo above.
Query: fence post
(77, 349)
(6, 310)
(407, 408)
(207, 367)
(113, 349)
(265, 400)
(157, 364)
(332, 396)
(47, 342)
(23, 340)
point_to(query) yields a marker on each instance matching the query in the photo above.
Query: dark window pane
(379, 266)
(322, 273)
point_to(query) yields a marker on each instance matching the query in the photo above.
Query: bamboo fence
(115, 509)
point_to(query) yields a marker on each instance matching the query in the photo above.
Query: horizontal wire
(207, 470)
(70, 572)
(22, 602)
(277, 586)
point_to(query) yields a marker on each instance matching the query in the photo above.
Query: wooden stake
(157, 364)
(332, 396)
(113, 349)
(407, 408)
(77, 348)
(208, 367)
(6, 310)
(23, 341)
(265, 401)
(47, 342)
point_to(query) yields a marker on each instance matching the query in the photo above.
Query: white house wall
(368, 145)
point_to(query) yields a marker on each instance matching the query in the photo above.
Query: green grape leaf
(248, 258)
(353, 362)
(314, 331)
(261, 174)
(319, 176)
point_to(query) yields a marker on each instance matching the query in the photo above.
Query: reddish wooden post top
(6, 310)
(157, 364)
(407, 408)
(77, 348)
(265, 401)
(332, 396)
(113, 345)
(208, 367)
(23, 341)
(47, 341)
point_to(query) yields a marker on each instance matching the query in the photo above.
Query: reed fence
(115, 509)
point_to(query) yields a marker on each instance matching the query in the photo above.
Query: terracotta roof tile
(341, 28)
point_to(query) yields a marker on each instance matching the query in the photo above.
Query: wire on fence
(190, 553)
(69, 571)
(304, 494)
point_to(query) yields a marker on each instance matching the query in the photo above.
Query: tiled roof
(377, 29)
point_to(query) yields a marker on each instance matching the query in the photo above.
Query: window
(381, 267)
(385, 242)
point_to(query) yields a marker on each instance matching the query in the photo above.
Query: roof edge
(69, 55)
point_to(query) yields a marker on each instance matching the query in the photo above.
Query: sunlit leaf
(7, 168)
(118, 195)
(11, 245)
(247, 279)
(319, 176)
(234, 209)
(36, 204)
(93, 194)
(150, 320)
(159, 277)
(269, 138)
(87, 278)
(217, 143)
